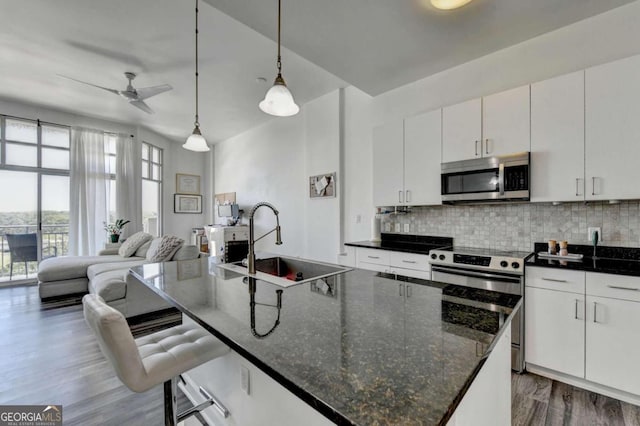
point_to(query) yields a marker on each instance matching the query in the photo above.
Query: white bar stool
(157, 358)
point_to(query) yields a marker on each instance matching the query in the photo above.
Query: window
(151, 188)
(110, 169)
(34, 175)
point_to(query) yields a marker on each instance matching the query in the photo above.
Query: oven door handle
(466, 273)
(501, 178)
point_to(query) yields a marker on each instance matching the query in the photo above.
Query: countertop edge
(535, 262)
(403, 250)
(474, 374)
(315, 403)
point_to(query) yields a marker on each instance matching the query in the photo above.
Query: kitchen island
(360, 347)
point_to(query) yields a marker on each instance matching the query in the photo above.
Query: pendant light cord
(279, 61)
(197, 123)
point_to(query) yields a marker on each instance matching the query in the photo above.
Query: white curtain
(89, 192)
(128, 183)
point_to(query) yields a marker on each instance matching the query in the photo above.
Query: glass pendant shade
(196, 142)
(279, 101)
(449, 4)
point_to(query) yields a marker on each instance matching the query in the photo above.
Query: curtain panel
(128, 183)
(89, 192)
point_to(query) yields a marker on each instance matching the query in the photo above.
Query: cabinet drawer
(425, 275)
(419, 262)
(613, 286)
(380, 257)
(555, 279)
(374, 267)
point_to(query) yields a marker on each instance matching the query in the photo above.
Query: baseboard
(584, 384)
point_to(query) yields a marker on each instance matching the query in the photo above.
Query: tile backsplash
(518, 226)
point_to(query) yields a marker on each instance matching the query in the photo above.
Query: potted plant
(115, 229)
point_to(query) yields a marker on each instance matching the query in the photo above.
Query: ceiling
(98, 40)
(375, 45)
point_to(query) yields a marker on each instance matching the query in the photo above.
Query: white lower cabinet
(394, 262)
(591, 336)
(554, 336)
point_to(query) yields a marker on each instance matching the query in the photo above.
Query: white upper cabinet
(388, 164)
(505, 122)
(462, 131)
(612, 94)
(422, 157)
(494, 125)
(557, 139)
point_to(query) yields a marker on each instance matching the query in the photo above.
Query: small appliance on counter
(200, 240)
(228, 243)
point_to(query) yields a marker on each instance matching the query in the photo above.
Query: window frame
(148, 163)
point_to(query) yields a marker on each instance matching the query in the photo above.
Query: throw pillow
(188, 252)
(142, 251)
(129, 247)
(164, 249)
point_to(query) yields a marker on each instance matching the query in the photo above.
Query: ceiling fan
(135, 96)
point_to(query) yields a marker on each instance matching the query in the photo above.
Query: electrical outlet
(397, 227)
(406, 228)
(244, 379)
(591, 230)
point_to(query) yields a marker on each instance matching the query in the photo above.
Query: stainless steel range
(486, 270)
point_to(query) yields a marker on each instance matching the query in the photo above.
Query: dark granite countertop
(362, 347)
(610, 260)
(420, 244)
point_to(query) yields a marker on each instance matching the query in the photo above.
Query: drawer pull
(554, 280)
(576, 314)
(623, 288)
(595, 312)
(409, 261)
(373, 257)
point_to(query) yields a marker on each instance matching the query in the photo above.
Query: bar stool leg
(170, 402)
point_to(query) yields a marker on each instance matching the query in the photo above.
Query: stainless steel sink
(287, 271)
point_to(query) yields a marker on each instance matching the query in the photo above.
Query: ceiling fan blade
(147, 92)
(117, 92)
(142, 106)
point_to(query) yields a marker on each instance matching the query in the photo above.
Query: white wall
(599, 39)
(178, 160)
(267, 163)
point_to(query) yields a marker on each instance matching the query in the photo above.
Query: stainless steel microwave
(492, 179)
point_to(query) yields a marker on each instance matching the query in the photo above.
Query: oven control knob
(504, 263)
(441, 257)
(515, 265)
(434, 256)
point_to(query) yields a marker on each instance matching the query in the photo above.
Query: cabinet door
(557, 139)
(422, 154)
(613, 343)
(612, 130)
(554, 330)
(505, 122)
(388, 164)
(462, 131)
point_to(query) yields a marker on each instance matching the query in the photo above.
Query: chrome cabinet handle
(408, 290)
(409, 261)
(577, 186)
(593, 185)
(476, 148)
(400, 290)
(400, 196)
(623, 288)
(408, 195)
(576, 312)
(486, 146)
(595, 312)
(373, 257)
(554, 280)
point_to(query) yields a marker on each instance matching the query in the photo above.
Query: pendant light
(196, 142)
(279, 101)
(449, 4)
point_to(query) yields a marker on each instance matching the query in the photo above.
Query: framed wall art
(183, 203)
(322, 186)
(187, 184)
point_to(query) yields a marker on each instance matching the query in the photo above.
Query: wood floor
(49, 356)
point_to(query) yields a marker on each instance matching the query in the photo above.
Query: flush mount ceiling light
(279, 101)
(449, 4)
(196, 142)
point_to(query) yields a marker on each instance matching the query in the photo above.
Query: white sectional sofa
(107, 275)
